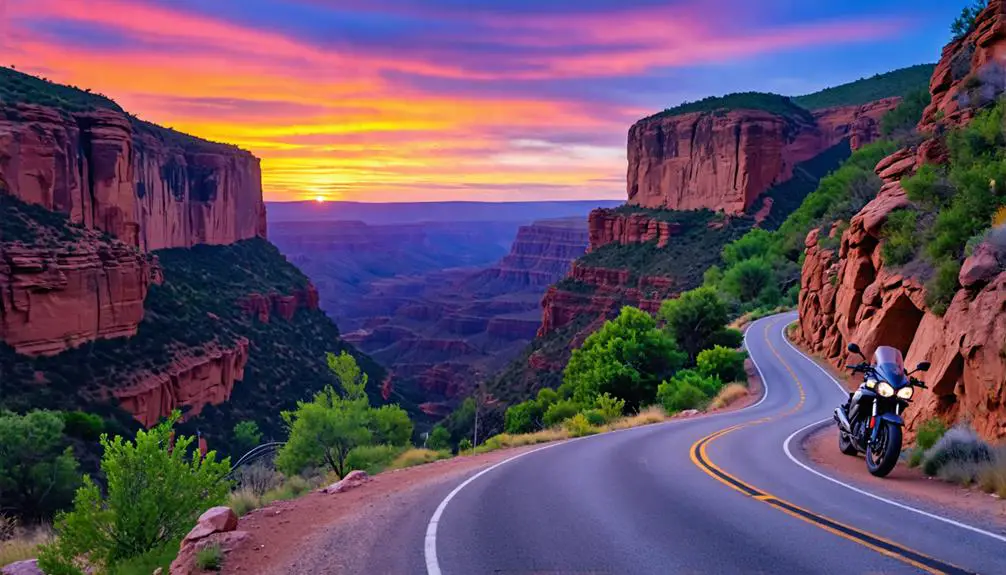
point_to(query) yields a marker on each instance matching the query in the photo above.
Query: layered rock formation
(53, 300)
(609, 226)
(540, 254)
(853, 296)
(149, 187)
(724, 160)
(190, 383)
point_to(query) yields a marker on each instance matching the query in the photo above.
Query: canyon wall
(852, 296)
(148, 186)
(724, 160)
(540, 255)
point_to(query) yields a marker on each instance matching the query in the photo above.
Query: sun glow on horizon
(320, 199)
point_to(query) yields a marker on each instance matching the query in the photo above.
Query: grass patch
(148, 562)
(243, 500)
(729, 394)
(647, 416)
(23, 544)
(210, 558)
(418, 456)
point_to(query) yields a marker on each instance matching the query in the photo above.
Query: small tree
(523, 417)
(247, 435)
(694, 319)
(725, 364)
(155, 492)
(748, 279)
(38, 474)
(391, 425)
(439, 439)
(324, 430)
(963, 23)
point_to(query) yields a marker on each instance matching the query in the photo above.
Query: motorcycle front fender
(893, 418)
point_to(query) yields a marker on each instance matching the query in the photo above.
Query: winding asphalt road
(729, 493)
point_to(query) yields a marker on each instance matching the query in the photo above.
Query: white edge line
(430, 544)
(789, 454)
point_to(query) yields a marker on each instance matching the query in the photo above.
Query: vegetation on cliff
(18, 87)
(772, 103)
(954, 206)
(965, 22)
(896, 83)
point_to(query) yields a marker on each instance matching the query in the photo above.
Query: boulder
(213, 520)
(185, 563)
(983, 265)
(352, 480)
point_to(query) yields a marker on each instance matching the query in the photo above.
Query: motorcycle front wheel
(882, 455)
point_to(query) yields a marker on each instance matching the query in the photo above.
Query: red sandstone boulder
(352, 480)
(981, 267)
(213, 520)
(215, 527)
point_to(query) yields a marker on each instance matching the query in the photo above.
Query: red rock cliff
(610, 227)
(724, 160)
(147, 186)
(539, 256)
(853, 296)
(54, 299)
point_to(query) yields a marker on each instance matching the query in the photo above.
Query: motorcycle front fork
(874, 427)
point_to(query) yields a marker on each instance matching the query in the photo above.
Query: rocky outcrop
(860, 124)
(217, 527)
(539, 256)
(609, 226)
(149, 187)
(199, 377)
(853, 296)
(263, 307)
(55, 299)
(352, 480)
(971, 71)
(724, 160)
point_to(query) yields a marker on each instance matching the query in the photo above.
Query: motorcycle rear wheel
(882, 456)
(845, 444)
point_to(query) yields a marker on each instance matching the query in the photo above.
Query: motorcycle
(870, 422)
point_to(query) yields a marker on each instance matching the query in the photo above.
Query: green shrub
(561, 411)
(247, 435)
(929, 433)
(242, 501)
(695, 319)
(546, 397)
(940, 289)
(903, 118)
(372, 458)
(595, 417)
(723, 364)
(153, 497)
(959, 446)
(729, 338)
(464, 446)
(748, 279)
(899, 237)
(439, 439)
(578, 426)
(81, 425)
(148, 562)
(679, 396)
(210, 558)
(38, 472)
(391, 425)
(609, 407)
(418, 456)
(523, 417)
(966, 20)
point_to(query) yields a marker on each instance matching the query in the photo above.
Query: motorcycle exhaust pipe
(843, 421)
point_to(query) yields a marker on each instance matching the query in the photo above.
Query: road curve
(716, 494)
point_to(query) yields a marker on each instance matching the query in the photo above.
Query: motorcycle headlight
(871, 383)
(906, 392)
(885, 389)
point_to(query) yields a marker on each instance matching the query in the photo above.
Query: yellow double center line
(700, 458)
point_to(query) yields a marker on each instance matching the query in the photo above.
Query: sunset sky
(411, 100)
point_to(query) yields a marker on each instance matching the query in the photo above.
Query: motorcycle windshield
(890, 365)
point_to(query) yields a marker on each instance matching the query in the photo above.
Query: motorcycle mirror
(923, 366)
(853, 348)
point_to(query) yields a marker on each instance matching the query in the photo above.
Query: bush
(694, 319)
(940, 289)
(258, 477)
(243, 500)
(372, 458)
(959, 446)
(748, 279)
(464, 446)
(391, 425)
(900, 242)
(38, 473)
(929, 433)
(247, 435)
(609, 407)
(966, 20)
(154, 496)
(149, 561)
(904, 118)
(86, 426)
(523, 417)
(210, 558)
(547, 396)
(561, 411)
(709, 385)
(680, 396)
(595, 417)
(728, 395)
(578, 426)
(722, 363)
(439, 439)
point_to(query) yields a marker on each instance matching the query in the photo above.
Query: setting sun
(319, 199)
